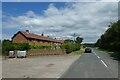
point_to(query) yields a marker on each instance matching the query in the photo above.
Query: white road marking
(104, 63)
(101, 60)
(58, 77)
(95, 53)
(98, 57)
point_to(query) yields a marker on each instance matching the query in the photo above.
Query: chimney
(42, 34)
(27, 31)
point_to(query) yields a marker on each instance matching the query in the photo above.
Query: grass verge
(115, 55)
(79, 52)
(109, 52)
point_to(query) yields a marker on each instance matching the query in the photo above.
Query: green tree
(110, 40)
(69, 41)
(79, 40)
(7, 46)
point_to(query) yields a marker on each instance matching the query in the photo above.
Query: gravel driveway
(51, 66)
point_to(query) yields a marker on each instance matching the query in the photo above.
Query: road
(97, 64)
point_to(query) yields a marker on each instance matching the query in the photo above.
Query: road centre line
(98, 57)
(104, 63)
(95, 53)
(101, 60)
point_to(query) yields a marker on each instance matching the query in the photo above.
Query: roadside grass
(79, 52)
(114, 55)
(107, 51)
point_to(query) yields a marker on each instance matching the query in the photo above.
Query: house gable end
(17, 34)
(19, 37)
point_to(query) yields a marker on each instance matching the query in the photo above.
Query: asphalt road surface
(97, 64)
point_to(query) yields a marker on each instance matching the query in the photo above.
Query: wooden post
(15, 52)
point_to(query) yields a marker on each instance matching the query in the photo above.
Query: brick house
(33, 39)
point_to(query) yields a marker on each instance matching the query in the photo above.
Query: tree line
(110, 40)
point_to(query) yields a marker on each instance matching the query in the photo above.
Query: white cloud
(52, 11)
(88, 20)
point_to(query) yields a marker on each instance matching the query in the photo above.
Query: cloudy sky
(59, 19)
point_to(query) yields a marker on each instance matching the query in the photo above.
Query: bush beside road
(70, 47)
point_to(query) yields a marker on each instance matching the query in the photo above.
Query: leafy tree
(110, 40)
(79, 40)
(69, 41)
(7, 46)
(88, 44)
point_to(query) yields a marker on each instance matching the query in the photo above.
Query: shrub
(116, 55)
(9, 46)
(6, 47)
(40, 47)
(70, 47)
(21, 46)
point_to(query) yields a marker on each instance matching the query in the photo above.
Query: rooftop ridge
(36, 36)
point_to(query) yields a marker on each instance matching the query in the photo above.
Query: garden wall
(45, 52)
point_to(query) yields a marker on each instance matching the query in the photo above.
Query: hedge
(70, 47)
(21, 46)
(40, 47)
(9, 46)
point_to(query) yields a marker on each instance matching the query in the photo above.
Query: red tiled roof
(61, 41)
(34, 36)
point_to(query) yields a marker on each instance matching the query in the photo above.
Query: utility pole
(74, 37)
